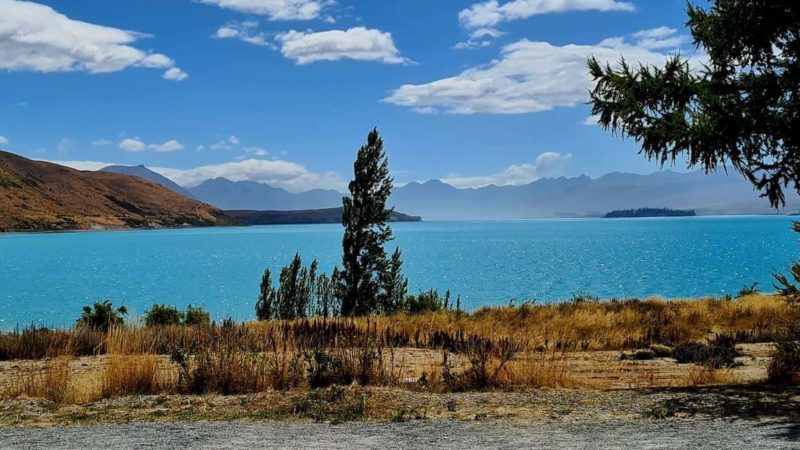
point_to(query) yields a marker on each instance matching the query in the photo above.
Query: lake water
(47, 278)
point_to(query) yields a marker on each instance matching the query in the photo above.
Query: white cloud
(590, 121)
(277, 173)
(136, 145)
(491, 13)
(3, 140)
(35, 37)
(81, 165)
(257, 151)
(528, 77)
(175, 74)
(514, 175)
(661, 37)
(169, 146)
(244, 31)
(276, 9)
(482, 37)
(225, 144)
(132, 145)
(101, 143)
(357, 43)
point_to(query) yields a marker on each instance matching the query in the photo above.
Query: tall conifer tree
(366, 231)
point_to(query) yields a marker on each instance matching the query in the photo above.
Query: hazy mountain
(582, 196)
(36, 195)
(143, 172)
(548, 197)
(251, 195)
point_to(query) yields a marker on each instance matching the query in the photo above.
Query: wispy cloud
(276, 9)
(136, 145)
(492, 12)
(515, 175)
(277, 173)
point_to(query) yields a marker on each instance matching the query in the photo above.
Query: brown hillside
(36, 195)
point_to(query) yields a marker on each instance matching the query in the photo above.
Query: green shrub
(785, 359)
(102, 316)
(196, 315)
(746, 291)
(430, 301)
(335, 405)
(583, 297)
(162, 315)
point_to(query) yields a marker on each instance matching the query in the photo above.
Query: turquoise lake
(47, 278)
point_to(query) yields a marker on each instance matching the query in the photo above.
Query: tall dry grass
(591, 325)
(53, 383)
(503, 347)
(134, 375)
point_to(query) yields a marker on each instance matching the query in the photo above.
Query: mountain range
(36, 195)
(582, 196)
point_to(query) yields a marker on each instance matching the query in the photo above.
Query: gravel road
(689, 433)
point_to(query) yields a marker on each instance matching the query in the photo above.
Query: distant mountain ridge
(582, 196)
(39, 196)
(149, 175)
(250, 195)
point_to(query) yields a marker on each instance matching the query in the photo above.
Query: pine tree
(290, 289)
(394, 284)
(265, 306)
(739, 110)
(364, 219)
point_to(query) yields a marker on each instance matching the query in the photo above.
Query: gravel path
(689, 433)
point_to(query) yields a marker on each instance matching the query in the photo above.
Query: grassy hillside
(38, 196)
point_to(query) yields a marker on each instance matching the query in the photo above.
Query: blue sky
(284, 91)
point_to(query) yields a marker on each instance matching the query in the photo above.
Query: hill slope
(36, 195)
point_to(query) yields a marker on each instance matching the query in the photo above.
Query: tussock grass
(133, 375)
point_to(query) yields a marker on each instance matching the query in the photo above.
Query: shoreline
(532, 219)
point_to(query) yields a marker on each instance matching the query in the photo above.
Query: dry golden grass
(510, 347)
(703, 376)
(51, 383)
(134, 375)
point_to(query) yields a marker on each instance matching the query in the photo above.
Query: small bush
(720, 352)
(335, 405)
(162, 315)
(644, 354)
(746, 291)
(583, 297)
(196, 315)
(102, 316)
(785, 360)
(429, 301)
